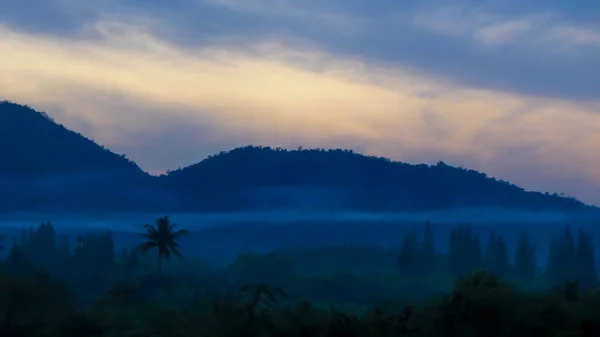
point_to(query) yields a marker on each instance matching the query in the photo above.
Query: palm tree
(163, 238)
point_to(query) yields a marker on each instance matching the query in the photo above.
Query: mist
(132, 221)
(219, 238)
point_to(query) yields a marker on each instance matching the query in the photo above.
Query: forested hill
(45, 166)
(344, 179)
(31, 143)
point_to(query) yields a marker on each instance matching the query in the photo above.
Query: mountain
(33, 144)
(46, 167)
(259, 177)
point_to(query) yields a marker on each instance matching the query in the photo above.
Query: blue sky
(511, 88)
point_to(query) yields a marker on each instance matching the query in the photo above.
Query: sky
(510, 88)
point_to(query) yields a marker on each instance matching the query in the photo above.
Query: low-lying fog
(220, 237)
(134, 221)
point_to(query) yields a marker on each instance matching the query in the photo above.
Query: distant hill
(31, 143)
(246, 177)
(45, 166)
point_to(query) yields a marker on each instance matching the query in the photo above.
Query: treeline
(49, 287)
(569, 259)
(91, 264)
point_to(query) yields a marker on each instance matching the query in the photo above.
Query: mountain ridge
(51, 167)
(45, 140)
(387, 183)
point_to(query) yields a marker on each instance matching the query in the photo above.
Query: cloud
(528, 30)
(485, 45)
(576, 35)
(304, 11)
(501, 33)
(551, 51)
(168, 104)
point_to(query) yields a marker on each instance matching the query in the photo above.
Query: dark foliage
(48, 289)
(163, 238)
(48, 167)
(355, 181)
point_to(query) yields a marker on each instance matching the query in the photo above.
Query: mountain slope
(343, 179)
(33, 144)
(46, 166)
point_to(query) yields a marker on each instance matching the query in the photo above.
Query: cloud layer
(514, 94)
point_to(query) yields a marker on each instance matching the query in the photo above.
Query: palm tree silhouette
(162, 237)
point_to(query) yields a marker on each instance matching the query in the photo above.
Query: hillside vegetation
(45, 166)
(358, 182)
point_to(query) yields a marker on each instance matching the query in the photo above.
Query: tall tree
(130, 260)
(464, 252)
(586, 264)
(427, 244)
(525, 258)
(43, 247)
(409, 253)
(65, 256)
(569, 250)
(428, 259)
(475, 251)
(496, 256)
(553, 266)
(562, 261)
(163, 237)
(490, 252)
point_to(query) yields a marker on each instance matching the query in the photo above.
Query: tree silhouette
(586, 263)
(525, 258)
(261, 295)
(553, 267)
(130, 260)
(562, 260)
(409, 253)
(162, 237)
(464, 252)
(428, 256)
(496, 255)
